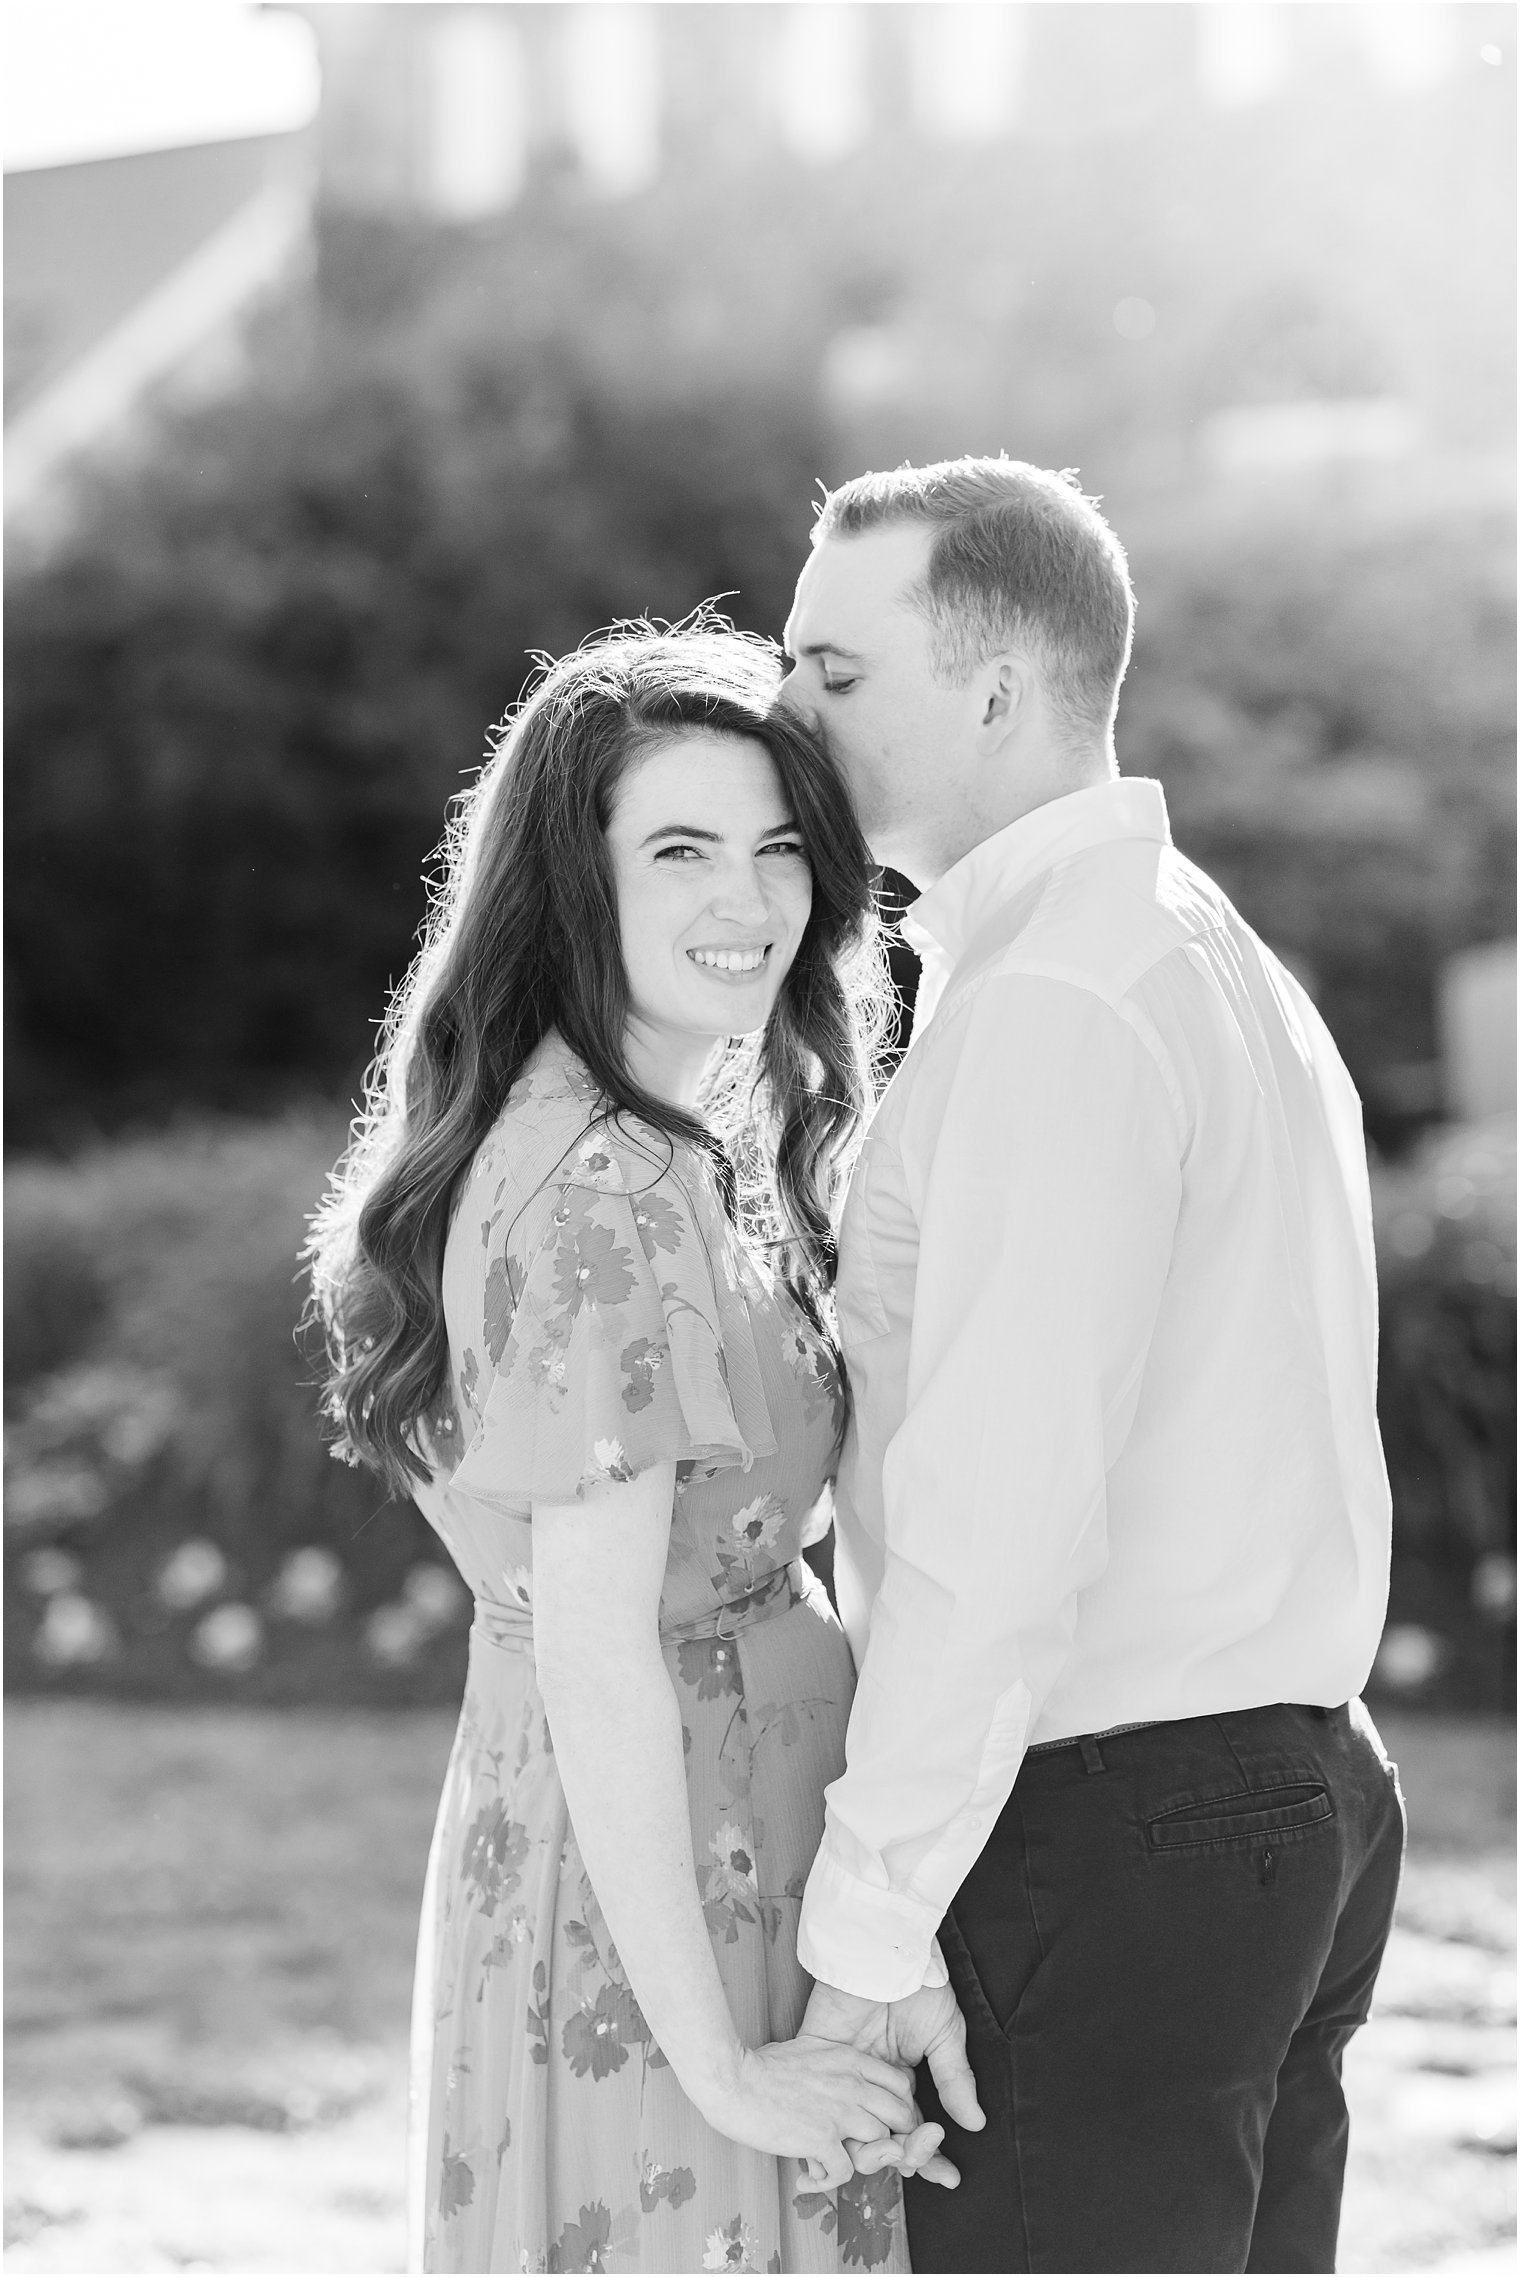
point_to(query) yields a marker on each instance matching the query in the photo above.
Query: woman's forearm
(616, 1729)
(598, 1568)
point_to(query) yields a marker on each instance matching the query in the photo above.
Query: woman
(548, 1319)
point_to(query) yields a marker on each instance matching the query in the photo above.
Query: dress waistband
(511, 1626)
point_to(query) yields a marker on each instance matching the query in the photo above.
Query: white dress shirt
(1107, 1300)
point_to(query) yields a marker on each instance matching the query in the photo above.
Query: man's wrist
(838, 2015)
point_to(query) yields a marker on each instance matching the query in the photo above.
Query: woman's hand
(801, 2098)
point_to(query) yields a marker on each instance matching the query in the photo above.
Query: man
(1112, 1518)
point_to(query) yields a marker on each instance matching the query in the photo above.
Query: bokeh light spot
(1409, 1656)
(1134, 319)
(195, 1571)
(75, 1632)
(229, 1639)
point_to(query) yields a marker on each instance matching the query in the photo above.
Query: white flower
(54, 1493)
(598, 1166)
(74, 1631)
(231, 1638)
(394, 1635)
(736, 1865)
(45, 1572)
(759, 1522)
(611, 1460)
(308, 1586)
(731, 2248)
(196, 1571)
(519, 1585)
(435, 1596)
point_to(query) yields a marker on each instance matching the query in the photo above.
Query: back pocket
(1224, 1821)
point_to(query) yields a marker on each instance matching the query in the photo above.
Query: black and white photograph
(760, 1230)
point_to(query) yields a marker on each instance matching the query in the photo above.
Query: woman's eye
(836, 687)
(786, 846)
(679, 853)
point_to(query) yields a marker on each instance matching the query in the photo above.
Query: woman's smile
(730, 964)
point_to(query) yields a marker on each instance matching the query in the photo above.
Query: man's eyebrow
(831, 648)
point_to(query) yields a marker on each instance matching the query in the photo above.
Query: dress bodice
(604, 1314)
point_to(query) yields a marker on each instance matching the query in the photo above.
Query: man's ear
(1003, 692)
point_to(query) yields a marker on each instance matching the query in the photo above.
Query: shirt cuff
(875, 1943)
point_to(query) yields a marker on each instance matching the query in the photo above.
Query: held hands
(804, 2098)
(925, 2027)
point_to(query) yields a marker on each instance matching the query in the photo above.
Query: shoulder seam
(1121, 1006)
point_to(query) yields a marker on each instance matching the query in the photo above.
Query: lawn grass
(215, 1878)
(212, 1915)
(1458, 1776)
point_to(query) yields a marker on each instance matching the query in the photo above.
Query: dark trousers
(1161, 1955)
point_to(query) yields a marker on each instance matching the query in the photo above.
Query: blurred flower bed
(175, 1527)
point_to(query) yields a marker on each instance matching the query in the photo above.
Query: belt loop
(1092, 1756)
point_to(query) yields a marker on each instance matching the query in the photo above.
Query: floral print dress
(603, 1316)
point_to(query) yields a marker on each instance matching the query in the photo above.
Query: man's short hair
(1020, 559)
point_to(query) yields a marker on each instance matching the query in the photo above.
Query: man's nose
(791, 697)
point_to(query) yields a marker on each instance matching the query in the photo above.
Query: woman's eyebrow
(683, 830)
(711, 837)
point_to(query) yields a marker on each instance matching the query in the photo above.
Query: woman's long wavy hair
(523, 937)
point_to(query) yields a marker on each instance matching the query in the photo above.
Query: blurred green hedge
(1326, 692)
(267, 650)
(1446, 1398)
(176, 1528)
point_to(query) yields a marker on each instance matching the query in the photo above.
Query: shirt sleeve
(1042, 1149)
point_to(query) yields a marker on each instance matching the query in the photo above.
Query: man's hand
(926, 2027)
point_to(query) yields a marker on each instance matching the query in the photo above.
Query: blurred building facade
(455, 109)
(1267, 142)
(929, 170)
(125, 274)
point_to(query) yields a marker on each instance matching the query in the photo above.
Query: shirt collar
(944, 921)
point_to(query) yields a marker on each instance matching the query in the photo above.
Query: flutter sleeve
(623, 1339)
